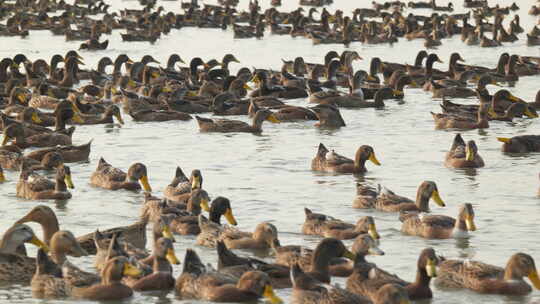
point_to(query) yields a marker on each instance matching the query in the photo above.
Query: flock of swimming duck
(40, 94)
(150, 23)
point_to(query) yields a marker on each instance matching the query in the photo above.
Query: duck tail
(192, 263)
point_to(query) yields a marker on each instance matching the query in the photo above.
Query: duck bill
(530, 113)
(247, 87)
(503, 139)
(196, 183)
(437, 198)
(431, 269)
(514, 98)
(374, 159)
(35, 118)
(469, 221)
(371, 78)
(349, 255)
(375, 250)
(255, 79)
(372, 230)
(132, 83)
(130, 270)
(68, 181)
(167, 233)
(204, 205)
(469, 154)
(271, 295)
(230, 217)
(119, 118)
(404, 301)
(5, 140)
(533, 276)
(38, 243)
(2, 177)
(77, 118)
(21, 97)
(273, 119)
(145, 184)
(398, 93)
(171, 257)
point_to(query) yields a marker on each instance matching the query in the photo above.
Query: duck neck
(460, 224)
(60, 184)
(49, 226)
(58, 256)
(161, 264)
(500, 65)
(422, 279)
(511, 273)
(59, 123)
(320, 262)
(422, 200)
(215, 217)
(3, 73)
(257, 122)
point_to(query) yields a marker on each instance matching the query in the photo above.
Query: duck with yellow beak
(161, 278)
(387, 200)
(463, 155)
(111, 287)
(16, 268)
(229, 126)
(439, 226)
(330, 161)
(486, 278)
(108, 177)
(369, 284)
(36, 187)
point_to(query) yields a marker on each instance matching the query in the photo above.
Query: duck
(211, 229)
(47, 281)
(266, 89)
(463, 155)
(17, 133)
(330, 161)
(448, 121)
(439, 226)
(163, 257)
(309, 290)
(199, 282)
(105, 118)
(232, 264)
(133, 234)
(329, 116)
(388, 201)
(264, 237)
(36, 187)
(69, 153)
(316, 263)
(285, 112)
(108, 177)
(489, 279)
(520, 144)
(111, 287)
(227, 126)
(325, 226)
(18, 268)
(368, 284)
(178, 191)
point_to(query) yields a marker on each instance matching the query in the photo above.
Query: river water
(268, 177)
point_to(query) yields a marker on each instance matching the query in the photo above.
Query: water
(268, 177)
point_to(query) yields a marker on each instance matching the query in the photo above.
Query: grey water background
(268, 177)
